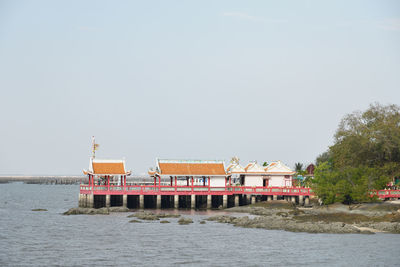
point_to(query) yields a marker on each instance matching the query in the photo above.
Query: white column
(253, 199)
(209, 201)
(90, 201)
(176, 201)
(141, 202)
(301, 200)
(269, 198)
(236, 200)
(293, 199)
(193, 201)
(125, 201)
(158, 201)
(307, 201)
(108, 200)
(275, 197)
(224, 201)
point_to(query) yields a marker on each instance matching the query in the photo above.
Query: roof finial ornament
(94, 147)
(235, 160)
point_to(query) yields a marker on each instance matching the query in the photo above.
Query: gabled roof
(251, 168)
(235, 168)
(191, 167)
(254, 167)
(278, 168)
(107, 167)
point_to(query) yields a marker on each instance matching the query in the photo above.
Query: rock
(148, 217)
(134, 221)
(167, 215)
(202, 222)
(118, 209)
(145, 215)
(222, 218)
(39, 210)
(283, 214)
(164, 221)
(183, 221)
(87, 211)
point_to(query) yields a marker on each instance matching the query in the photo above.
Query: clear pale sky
(261, 80)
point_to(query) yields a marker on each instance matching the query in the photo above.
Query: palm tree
(298, 167)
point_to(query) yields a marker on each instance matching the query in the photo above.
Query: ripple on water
(49, 238)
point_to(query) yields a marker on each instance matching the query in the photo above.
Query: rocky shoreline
(282, 215)
(337, 218)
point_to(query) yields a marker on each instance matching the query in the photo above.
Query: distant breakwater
(58, 179)
(44, 179)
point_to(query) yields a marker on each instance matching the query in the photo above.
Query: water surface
(29, 238)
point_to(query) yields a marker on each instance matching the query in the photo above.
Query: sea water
(29, 238)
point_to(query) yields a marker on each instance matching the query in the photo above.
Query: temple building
(251, 175)
(208, 173)
(276, 174)
(106, 174)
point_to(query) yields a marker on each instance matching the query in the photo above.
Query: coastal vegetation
(365, 156)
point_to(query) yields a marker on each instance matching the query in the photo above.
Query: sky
(260, 80)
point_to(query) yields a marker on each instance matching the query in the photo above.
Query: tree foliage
(365, 156)
(298, 167)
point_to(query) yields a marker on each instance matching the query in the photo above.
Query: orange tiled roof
(189, 169)
(108, 168)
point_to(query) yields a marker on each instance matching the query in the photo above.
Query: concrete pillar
(294, 199)
(275, 197)
(158, 201)
(80, 201)
(253, 199)
(193, 201)
(124, 201)
(209, 202)
(108, 198)
(269, 198)
(141, 202)
(301, 200)
(307, 201)
(236, 200)
(176, 201)
(224, 201)
(90, 201)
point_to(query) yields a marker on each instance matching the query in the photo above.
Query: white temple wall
(217, 181)
(279, 180)
(253, 180)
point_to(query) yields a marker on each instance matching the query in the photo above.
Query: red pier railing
(205, 190)
(192, 190)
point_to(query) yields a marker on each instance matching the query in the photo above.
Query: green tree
(298, 167)
(365, 156)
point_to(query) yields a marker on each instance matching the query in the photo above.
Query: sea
(48, 238)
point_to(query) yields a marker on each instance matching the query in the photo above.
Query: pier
(196, 197)
(194, 184)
